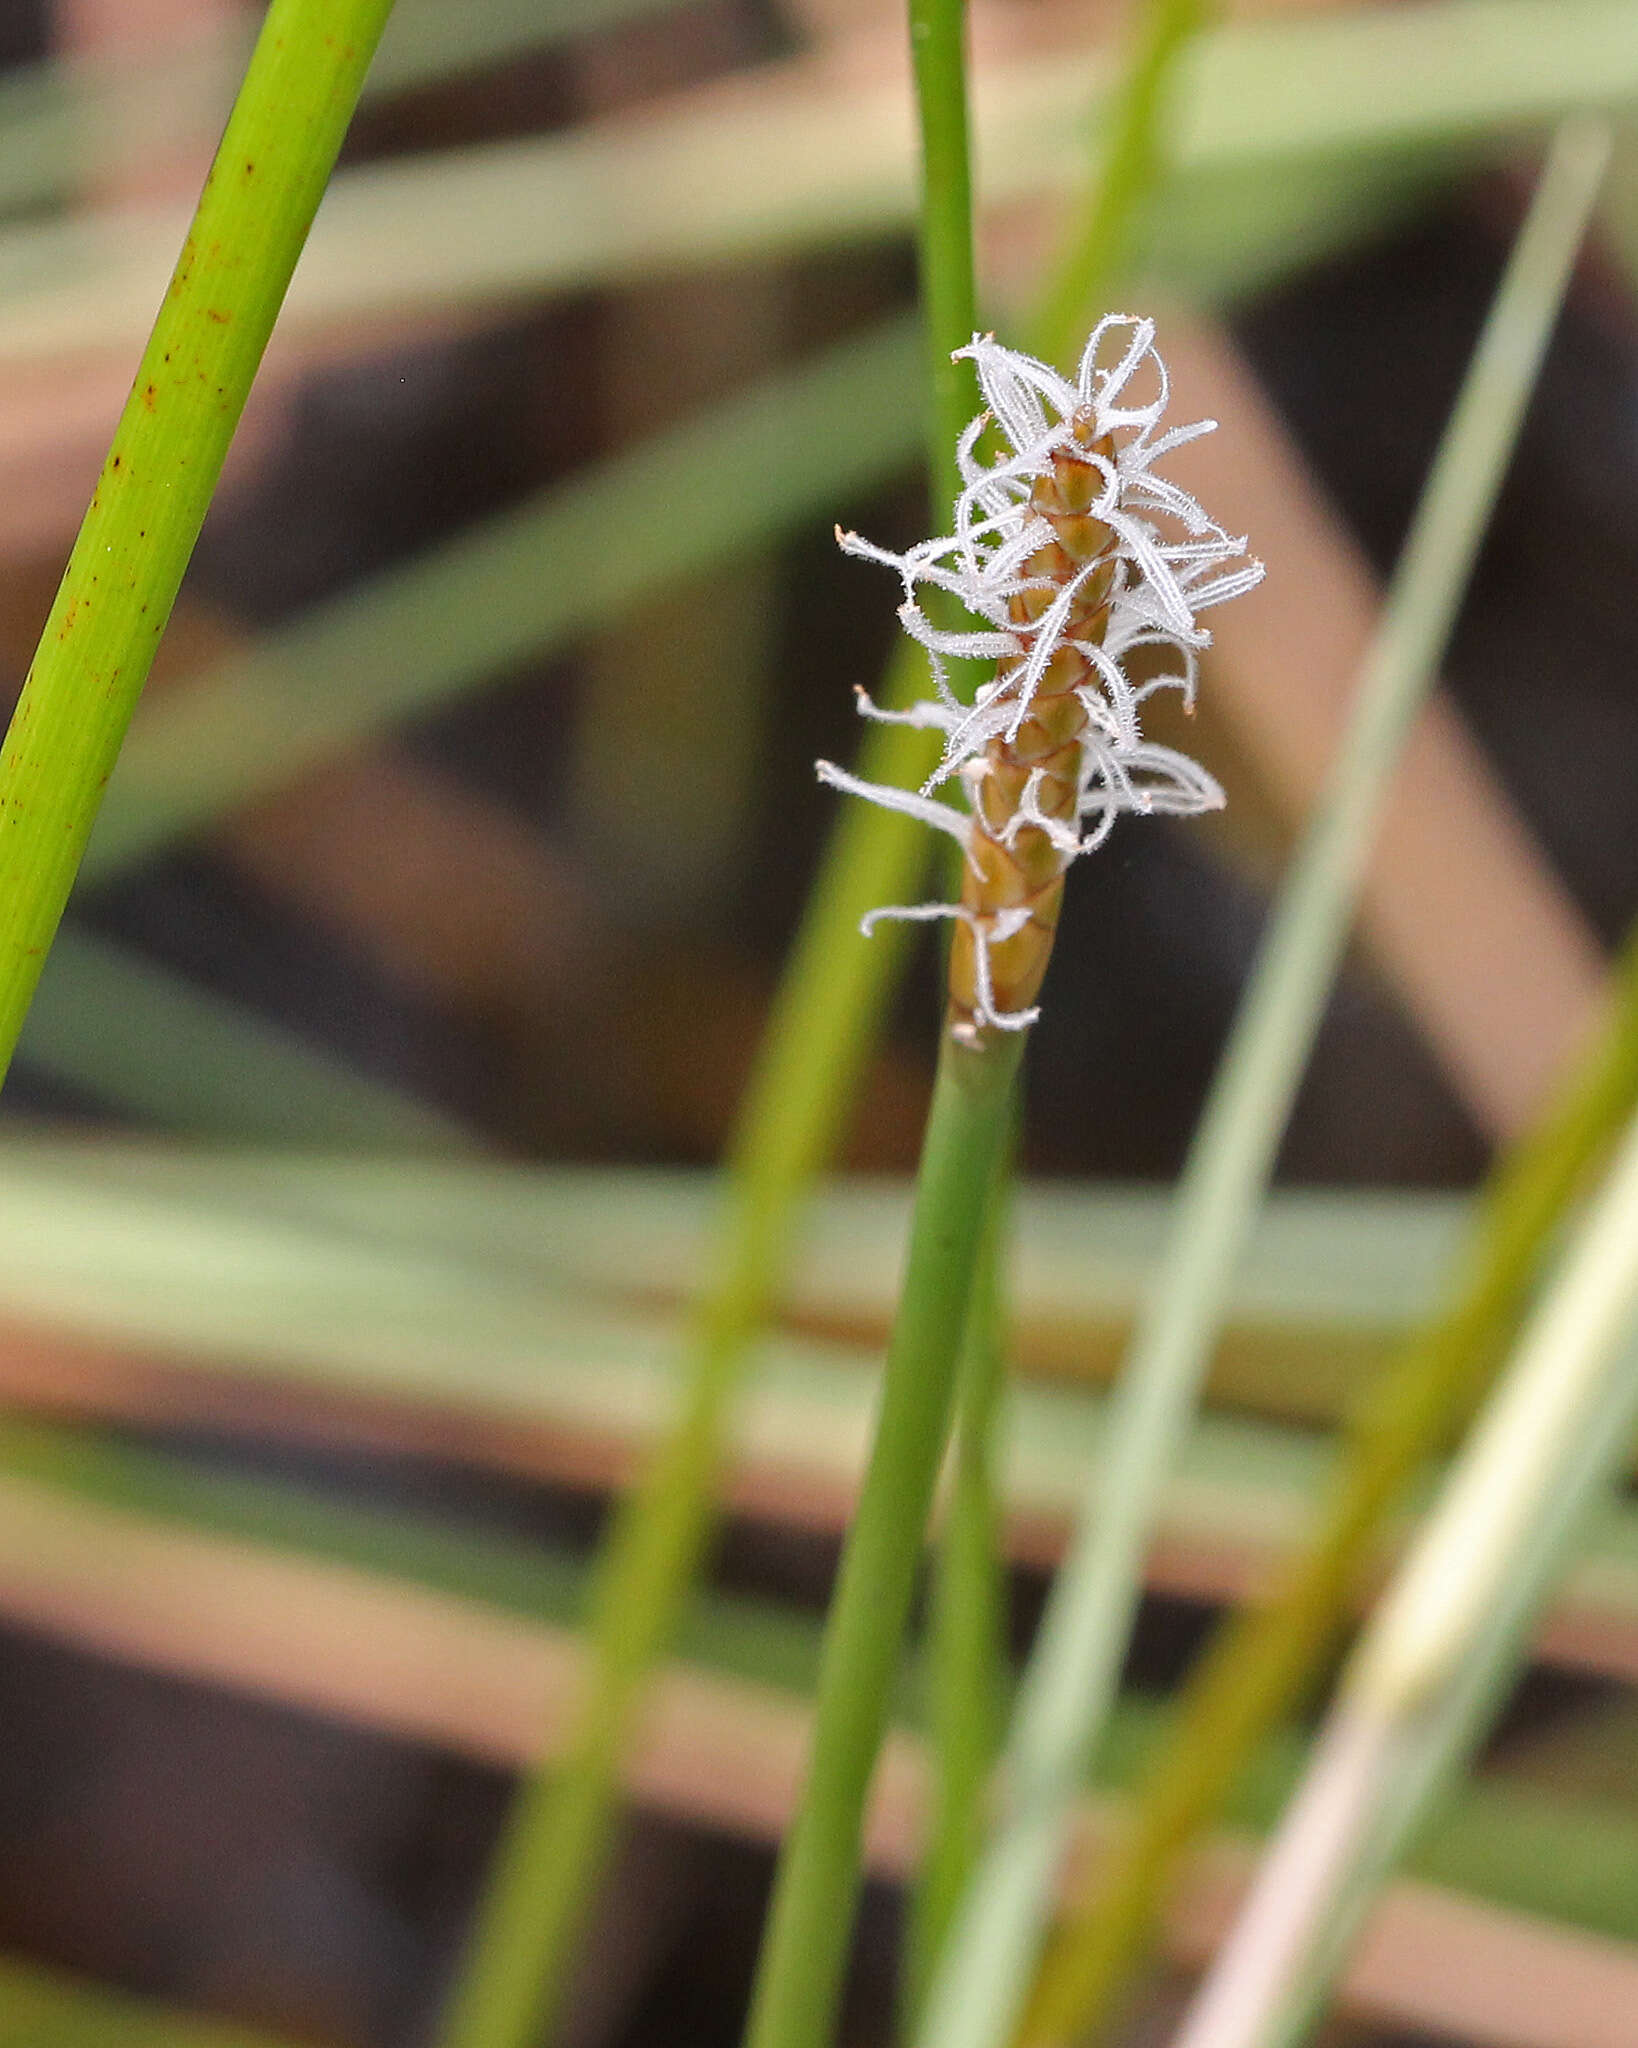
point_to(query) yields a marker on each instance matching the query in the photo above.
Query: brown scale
(1030, 871)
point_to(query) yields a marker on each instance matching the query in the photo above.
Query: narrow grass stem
(1446, 1633)
(1071, 1678)
(150, 501)
(938, 55)
(964, 1659)
(1265, 1656)
(805, 1948)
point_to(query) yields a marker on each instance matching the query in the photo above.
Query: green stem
(126, 566)
(965, 1657)
(945, 235)
(805, 1948)
(963, 1161)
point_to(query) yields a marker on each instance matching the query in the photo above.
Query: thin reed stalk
(1060, 573)
(964, 1658)
(191, 385)
(1414, 1699)
(1070, 1682)
(804, 1950)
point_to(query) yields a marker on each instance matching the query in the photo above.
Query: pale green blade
(1446, 1635)
(122, 1029)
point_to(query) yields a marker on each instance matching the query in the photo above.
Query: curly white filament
(1160, 562)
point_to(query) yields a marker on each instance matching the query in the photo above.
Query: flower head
(1069, 552)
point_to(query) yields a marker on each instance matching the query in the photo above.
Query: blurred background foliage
(354, 1166)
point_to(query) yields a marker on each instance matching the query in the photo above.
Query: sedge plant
(964, 1656)
(1070, 552)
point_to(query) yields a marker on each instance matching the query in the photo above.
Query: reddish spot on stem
(216, 313)
(149, 393)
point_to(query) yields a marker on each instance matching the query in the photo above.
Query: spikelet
(1069, 552)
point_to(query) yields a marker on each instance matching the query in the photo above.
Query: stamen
(1024, 560)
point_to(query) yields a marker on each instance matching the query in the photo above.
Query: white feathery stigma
(1165, 561)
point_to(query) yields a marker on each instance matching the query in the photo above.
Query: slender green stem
(1072, 1675)
(123, 574)
(1133, 163)
(967, 1615)
(805, 1948)
(948, 296)
(1265, 1657)
(805, 1943)
(965, 1655)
